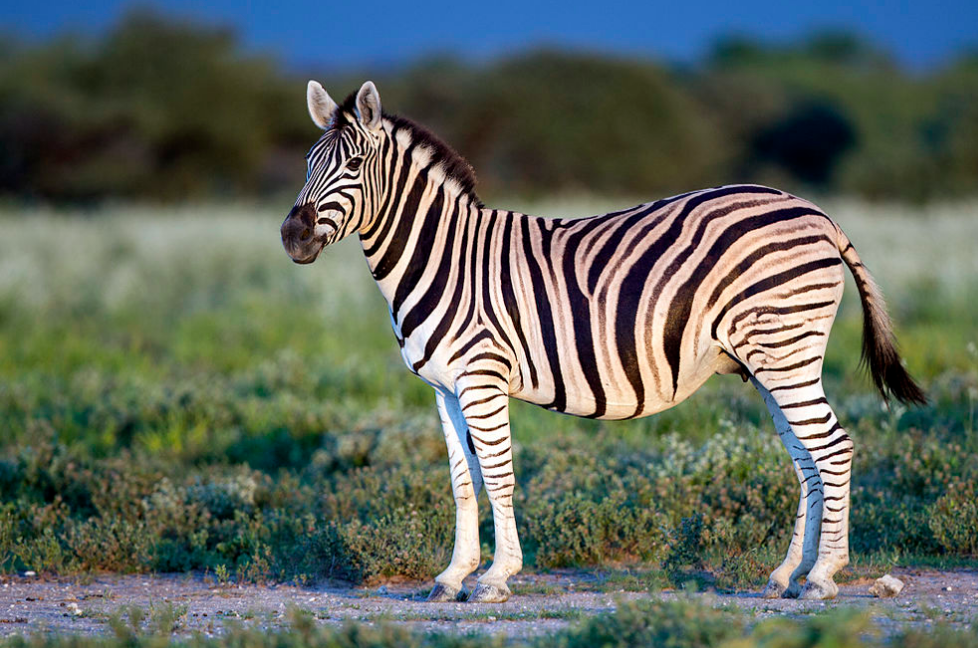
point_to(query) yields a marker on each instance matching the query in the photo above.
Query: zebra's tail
(879, 346)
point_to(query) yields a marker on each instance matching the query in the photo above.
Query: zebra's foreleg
(803, 549)
(466, 484)
(485, 405)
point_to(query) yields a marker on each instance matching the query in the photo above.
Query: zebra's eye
(354, 163)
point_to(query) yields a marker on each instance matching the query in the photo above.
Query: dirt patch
(543, 603)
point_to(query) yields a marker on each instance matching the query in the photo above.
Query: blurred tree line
(169, 110)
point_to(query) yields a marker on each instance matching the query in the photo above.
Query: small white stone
(947, 589)
(30, 574)
(886, 587)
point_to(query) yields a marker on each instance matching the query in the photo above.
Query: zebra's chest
(426, 357)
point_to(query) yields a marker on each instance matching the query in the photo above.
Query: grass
(177, 395)
(677, 623)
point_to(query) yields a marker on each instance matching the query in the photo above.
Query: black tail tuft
(879, 347)
(881, 356)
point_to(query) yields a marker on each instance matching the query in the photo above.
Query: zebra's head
(343, 172)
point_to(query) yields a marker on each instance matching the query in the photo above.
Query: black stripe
(487, 268)
(485, 416)
(810, 288)
(498, 453)
(610, 248)
(429, 300)
(469, 259)
(745, 264)
(495, 357)
(769, 283)
(423, 249)
(545, 319)
(509, 297)
(492, 429)
(405, 222)
(771, 331)
(816, 401)
(821, 435)
(485, 372)
(812, 421)
(797, 338)
(839, 439)
(791, 367)
(449, 316)
(807, 383)
(486, 399)
(481, 335)
(581, 323)
(385, 220)
(499, 476)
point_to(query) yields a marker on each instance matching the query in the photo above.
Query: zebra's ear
(368, 106)
(321, 106)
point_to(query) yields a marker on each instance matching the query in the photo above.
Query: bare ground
(543, 603)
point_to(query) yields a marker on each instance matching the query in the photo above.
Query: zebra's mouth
(306, 260)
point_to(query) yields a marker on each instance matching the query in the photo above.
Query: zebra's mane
(452, 164)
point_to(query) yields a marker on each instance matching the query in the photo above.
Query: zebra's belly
(580, 401)
(576, 397)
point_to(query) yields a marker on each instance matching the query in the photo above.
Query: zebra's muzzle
(298, 235)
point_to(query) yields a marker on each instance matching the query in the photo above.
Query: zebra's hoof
(444, 594)
(792, 591)
(773, 590)
(816, 591)
(486, 593)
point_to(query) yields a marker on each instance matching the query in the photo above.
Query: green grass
(678, 624)
(177, 395)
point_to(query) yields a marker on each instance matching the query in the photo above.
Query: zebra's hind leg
(815, 426)
(803, 550)
(466, 484)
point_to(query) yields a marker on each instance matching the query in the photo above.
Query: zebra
(616, 316)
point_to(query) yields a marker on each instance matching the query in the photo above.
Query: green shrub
(676, 624)
(243, 414)
(953, 518)
(841, 628)
(578, 510)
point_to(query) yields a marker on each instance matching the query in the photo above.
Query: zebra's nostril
(306, 233)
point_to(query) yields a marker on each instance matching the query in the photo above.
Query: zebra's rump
(626, 314)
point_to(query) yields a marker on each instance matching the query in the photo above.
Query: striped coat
(616, 316)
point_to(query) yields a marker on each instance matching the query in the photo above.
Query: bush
(953, 519)
(181, 409)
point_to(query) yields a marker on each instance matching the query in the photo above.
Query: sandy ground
(548, 602)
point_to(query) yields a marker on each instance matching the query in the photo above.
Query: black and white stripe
(616, 316)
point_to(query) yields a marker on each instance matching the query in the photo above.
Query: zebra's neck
(425, 228)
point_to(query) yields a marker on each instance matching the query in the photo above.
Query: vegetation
(85, 119)
(678, 624)
(177, 395)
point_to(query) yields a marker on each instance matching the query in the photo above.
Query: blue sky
(379, 32)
